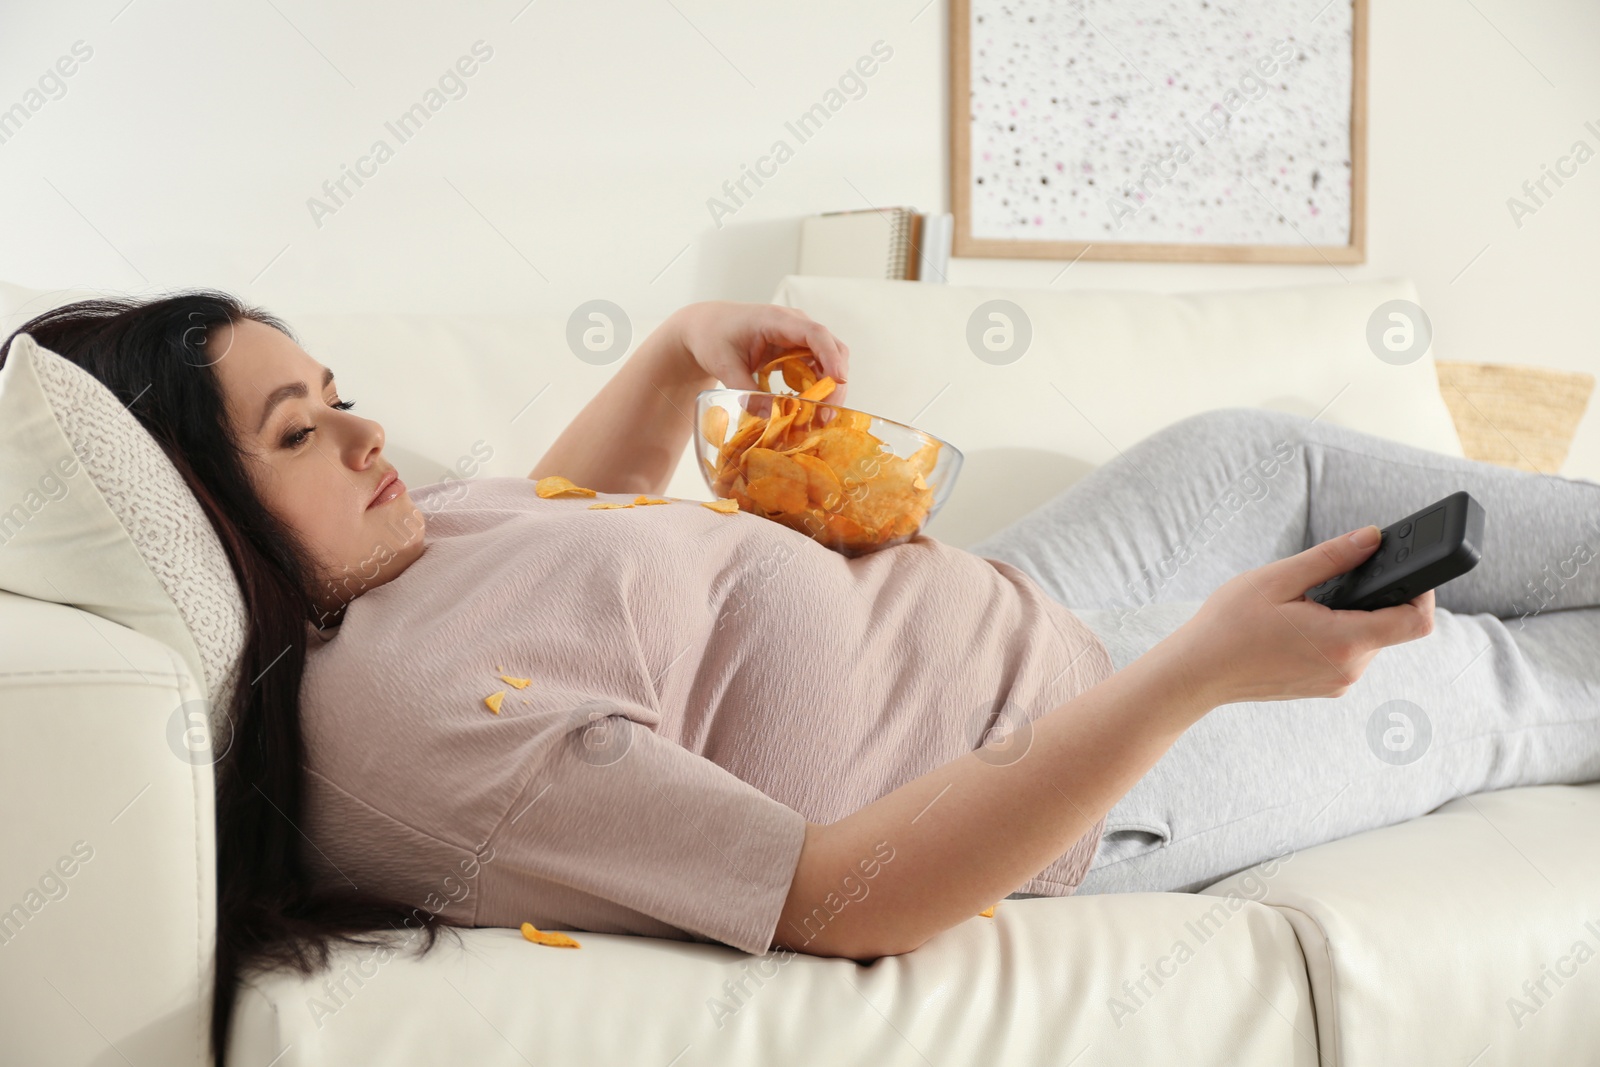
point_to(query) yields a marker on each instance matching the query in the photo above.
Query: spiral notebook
(874, 243)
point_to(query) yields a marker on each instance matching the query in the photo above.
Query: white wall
(580, 160)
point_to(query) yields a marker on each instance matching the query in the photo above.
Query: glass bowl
(852, 481)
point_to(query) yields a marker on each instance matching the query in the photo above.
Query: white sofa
(1410, 944)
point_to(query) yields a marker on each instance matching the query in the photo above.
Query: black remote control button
(1405, 529)
(1400, 556)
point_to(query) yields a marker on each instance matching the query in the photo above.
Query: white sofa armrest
(108, 889)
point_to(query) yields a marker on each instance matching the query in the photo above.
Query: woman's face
(314, 465)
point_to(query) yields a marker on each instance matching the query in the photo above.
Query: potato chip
(797, 374)
(891, 492)
(924, 458)
(808, 442)
(494, 700)
(547, 937)
(760, 462)
(844, 529)
(742, 438)
(777, 494)
(601, 505)
(727, 507)
(804, 412)
(641, 500)
(555, 486)
(774, 429)
(852, 420)
(820, 390)
(816, 469)
(851, 453)
(989, 911)
(714, 426)
(519, 683)
(822, 485)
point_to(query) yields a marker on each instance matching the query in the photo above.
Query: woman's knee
(1227, 427)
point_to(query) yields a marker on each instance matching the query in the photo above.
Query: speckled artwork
(1160, 122)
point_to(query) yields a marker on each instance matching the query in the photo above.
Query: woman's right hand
(1257, 637)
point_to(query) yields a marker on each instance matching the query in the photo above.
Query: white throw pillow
(94, 515)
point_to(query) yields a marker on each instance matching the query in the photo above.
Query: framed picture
(1149, 130)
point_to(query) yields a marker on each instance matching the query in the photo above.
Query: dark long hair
(270, 915)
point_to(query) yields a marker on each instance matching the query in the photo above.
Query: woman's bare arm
(944, 846)
(630, 436)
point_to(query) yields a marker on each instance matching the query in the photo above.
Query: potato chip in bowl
(852, 481)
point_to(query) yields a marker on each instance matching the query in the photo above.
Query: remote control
(1442, 541)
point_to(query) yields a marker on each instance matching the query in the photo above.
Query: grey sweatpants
(1504, 692)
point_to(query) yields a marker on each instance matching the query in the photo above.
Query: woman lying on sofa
(467, 705)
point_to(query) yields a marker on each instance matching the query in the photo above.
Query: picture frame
(1256, 203)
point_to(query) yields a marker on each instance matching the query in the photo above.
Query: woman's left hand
(730, 341)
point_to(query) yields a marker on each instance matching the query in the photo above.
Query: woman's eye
(298, 437)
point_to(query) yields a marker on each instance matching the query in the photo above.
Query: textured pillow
(94, 515)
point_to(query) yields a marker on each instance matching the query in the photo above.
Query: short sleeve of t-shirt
(621, 830)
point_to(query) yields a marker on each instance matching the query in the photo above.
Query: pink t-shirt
(701, 685)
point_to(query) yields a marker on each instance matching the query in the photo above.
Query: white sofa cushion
(95, 516)
(1040, 983)
(1104, 369)
(1467, 936)
(462, 396)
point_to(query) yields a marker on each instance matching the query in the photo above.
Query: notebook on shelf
(895, 243)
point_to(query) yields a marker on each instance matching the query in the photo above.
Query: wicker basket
(1515, 416)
